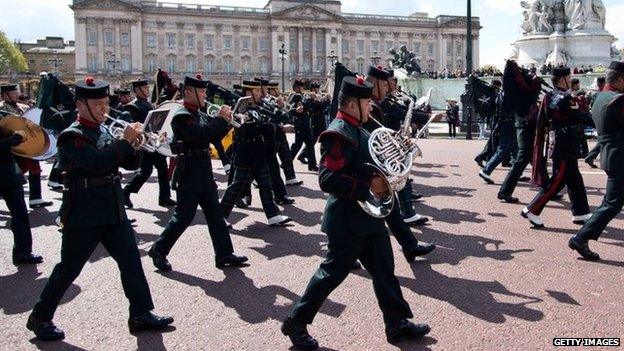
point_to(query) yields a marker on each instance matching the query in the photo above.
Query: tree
(11, 59)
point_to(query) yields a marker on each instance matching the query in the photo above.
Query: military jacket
(565, 117)
(90, 159)
(139, 109)
(342, 174)
(193, 132)
(608, 115)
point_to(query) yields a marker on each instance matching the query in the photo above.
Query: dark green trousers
(375, 253)
(611, 205)
(78, 245)
(183, 217)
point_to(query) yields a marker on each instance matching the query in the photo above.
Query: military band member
(10, 105)
(274, 118)
(193, 180)
(317, 104)
(351, 232)
(564, 118)
(595, 151)
(281, 143)
(139, 108)
(253, 147)
(303, 132)
(391, 118)
(92, 213)
(608, 115)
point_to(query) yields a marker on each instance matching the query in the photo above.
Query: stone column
(313, 66)
(136, 45)
(275, 46)
(80, 52)
(442, 43)
(101, 58)
(288, 53)
(475, 52)
(328, 48)
(338, 44)
(300, 49)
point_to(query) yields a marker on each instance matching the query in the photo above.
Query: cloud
(506, 6)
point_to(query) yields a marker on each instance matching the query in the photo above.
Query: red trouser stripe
(552, 189)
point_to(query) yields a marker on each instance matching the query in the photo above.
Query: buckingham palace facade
(133, 38)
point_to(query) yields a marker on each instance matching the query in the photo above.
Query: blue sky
(500, 18)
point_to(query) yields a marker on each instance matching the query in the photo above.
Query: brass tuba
(37, 140)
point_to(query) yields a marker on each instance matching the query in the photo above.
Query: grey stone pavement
(492, 284)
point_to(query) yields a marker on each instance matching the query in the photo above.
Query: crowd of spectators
(449, 74)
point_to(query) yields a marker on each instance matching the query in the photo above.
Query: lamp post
(375, 58)
(55, 63)
(469, 108)
(282, 51)
(332, 57)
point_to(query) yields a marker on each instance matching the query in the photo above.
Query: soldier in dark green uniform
(139, 108)
(193, 132)
(12, 191)
(351, 232)
(564, 117)
(608, 115)
(92, 212)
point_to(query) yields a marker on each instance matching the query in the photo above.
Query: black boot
(160, 261)
(231, 260)
(148, 321)
(582, 248)
(479, 161)
(126, 199)
(508, 198)
(298, 335)
(26, 258)
(285, 201)
(166, 202)
(45, 331)
(590, 162)
(406, 330)
(419, 250)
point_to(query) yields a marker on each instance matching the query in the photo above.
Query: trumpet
(212, 110)
(147, 141)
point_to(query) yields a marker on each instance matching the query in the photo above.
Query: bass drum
(52, 150)
(226, 142)
(166, 131)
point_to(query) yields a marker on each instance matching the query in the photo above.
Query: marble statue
(579, 13)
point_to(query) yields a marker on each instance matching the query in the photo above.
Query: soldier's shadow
(42, 217)
(305, 192)
(152, 340)
(473, 297)
(454, 248)
(20, 290)
(283, 242)
(253, 304)
(448, 215)
(55, 345)
(446, 191)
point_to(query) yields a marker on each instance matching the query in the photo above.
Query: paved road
(492, 284)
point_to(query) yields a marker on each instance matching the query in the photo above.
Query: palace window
(125, 39)
(227, 65)
(262, 44)
(190, 41)
(320, 43)
(125, 64)
(449, 49)
(209, 65)
(93, 64)
(458, 47)
(209, 41)
(345, 46)
(360, 46)
(92, 37)
(151, 40)
(227, 42)
(430, 48)
(416, 48)
(171, 64)
(360, 66)
(245, 43)
(108, 38)
(151, 64)
(375, 46)
(264, 65)
(389, 45)
(293, 44)
(191, 64)
(171, 40)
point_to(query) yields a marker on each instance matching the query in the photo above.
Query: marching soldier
(351, 232)
(317, 105)
(275, 119)
(12, 191)
(303, 133)
(92, 213)
(608, 115)
(193, 179)
(392, 118)
(281, 143)
(10, 105)
(253, 148)
(564, 117)
(139, 108)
